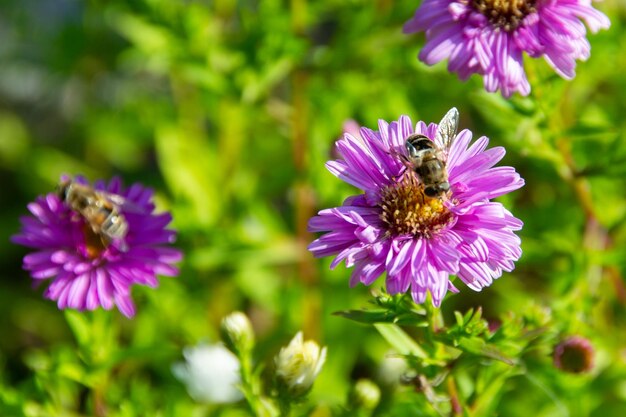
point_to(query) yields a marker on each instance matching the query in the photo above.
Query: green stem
(435, 318)
(99, 404)
(596, 236)
(285, 407)
(455, 402)
(251, 388)
(97, 340)
(304, 205)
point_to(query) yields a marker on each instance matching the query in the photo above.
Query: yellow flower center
(505, 14)
(405, 209)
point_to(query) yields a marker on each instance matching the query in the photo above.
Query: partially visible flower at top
(574, 354)
(297, 366)
(88, 271)
(211, 374)
(419, 241)
(489, 37)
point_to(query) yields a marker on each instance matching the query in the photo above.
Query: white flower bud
(392, 367)
(237, 332)
(211, 373)
(365, 395)
(298, 364)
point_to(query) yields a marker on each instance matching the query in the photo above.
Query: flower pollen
(505, 14)
(94, 246)
(406, 210)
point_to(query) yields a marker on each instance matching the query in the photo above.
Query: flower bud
(391, 369)
(297, 366)
(365, 395)
(237, 332)
(574, 354)
(211, 374)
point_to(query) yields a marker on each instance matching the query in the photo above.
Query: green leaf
(487, 400)
(400, 341)
(368, 316)
(80, 325)
(478, 346)
(397, 309)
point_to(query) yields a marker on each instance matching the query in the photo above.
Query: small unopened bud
(391, 369)
(297, 366)
(574, 354)
(365, 395)
(237, 332)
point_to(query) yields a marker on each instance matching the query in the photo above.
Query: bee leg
(104, 240)
(120, 244)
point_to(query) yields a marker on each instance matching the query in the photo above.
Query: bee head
(416, 143)
(63, 188)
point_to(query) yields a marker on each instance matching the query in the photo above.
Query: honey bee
(101, 210)
(428, 158)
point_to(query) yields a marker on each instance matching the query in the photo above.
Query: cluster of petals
(82, 279)
(477, 245)
(473, 44)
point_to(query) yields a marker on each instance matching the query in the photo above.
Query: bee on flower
(93, 242)
(425, 211)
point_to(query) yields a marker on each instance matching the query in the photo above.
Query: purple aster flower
(488, 37)
(87, 267)
(419, 241)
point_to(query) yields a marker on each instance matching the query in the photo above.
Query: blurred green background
(229, 110)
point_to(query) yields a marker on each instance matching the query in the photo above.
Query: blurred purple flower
(85, 272)
(488, 37)
(352, 127)
(419, 241)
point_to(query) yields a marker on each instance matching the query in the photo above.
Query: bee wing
(116, 199)
(122, 203)
(446, 132)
